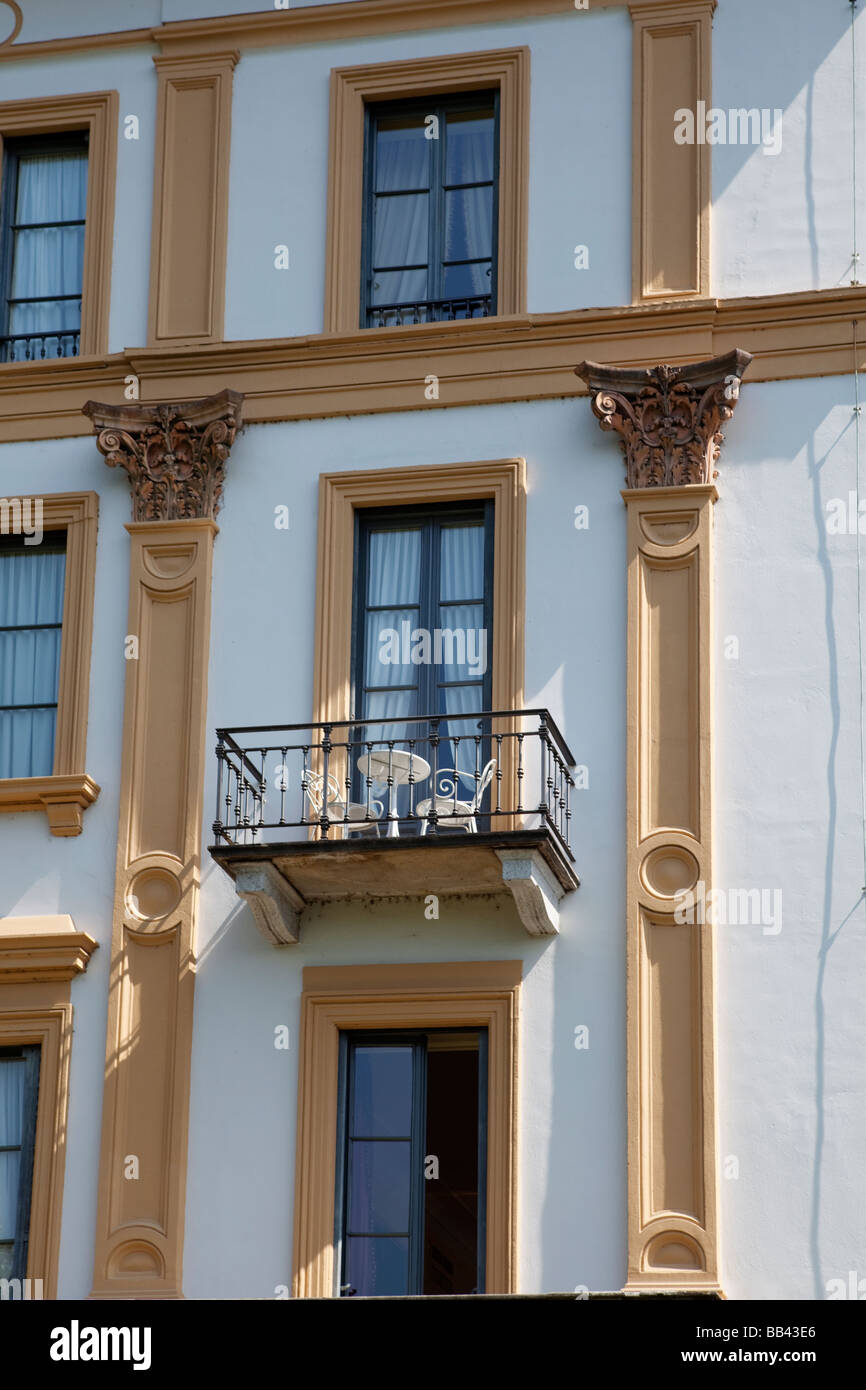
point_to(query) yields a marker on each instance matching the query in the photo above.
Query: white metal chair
(353, 816)
(454, 813)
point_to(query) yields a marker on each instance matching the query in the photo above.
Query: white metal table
(398, 765)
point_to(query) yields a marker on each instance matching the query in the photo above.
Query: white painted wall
(41, 873)
(784, 222)
(792, 1057)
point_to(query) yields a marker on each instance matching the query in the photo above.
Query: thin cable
(859, 599)
(855, 256)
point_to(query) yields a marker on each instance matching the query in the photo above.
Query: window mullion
(436, 248)
(417, 1150)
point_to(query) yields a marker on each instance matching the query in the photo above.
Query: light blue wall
(581, 105)
(788, 769)
(784, 222)
(131, 73)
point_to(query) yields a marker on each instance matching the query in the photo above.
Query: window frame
(20, 1243)
(6, 548)
(40, 1015)
(97, 114)
(417, 1039)
(68, 790)
(467, 994)
(441, 107)
(13, 152)
(352, 90)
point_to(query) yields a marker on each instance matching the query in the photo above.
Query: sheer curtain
(12, 1078)
(401, 221)
(469, 211)
(48, 261)
(31, 593)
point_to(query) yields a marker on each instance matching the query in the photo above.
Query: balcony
(471, 804)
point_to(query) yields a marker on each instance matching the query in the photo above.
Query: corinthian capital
(669, 419)
(175, 454)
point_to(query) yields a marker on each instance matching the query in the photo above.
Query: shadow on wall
(828, 934)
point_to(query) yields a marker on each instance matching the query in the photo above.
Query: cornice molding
(478, 362)
(30, 959)
(174, 454)
(64, 798)
(323, 23)
(669, 419)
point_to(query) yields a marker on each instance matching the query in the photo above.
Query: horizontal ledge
(29, 959)
(477, 362)
(64, 798)
(230, 857)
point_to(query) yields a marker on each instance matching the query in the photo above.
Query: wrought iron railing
(475, 306)
(32, 347)
(428, 775)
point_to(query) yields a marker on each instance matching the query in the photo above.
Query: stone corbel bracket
(535, 890)
(175, 454)
(669, 419)
(275, 905)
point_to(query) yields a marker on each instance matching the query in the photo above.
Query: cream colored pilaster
(175, 456)
(669, 421)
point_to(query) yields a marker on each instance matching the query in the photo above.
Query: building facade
(431, 696)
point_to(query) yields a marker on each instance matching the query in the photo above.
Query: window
(412, 1124)
(423, 624)
(430, 219)
(32, 581)
(463, 209)
(425, 1007)
(43, 198)
(19, 1090)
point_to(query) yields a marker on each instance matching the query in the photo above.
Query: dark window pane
(382, 1094)
(461, 550)
(400, 230)
(378, 1265)
(378, 1185)
(469, 147)
(394, 567)
(451, 1200)
(402, 153)
(464, 281)
(468, 224)
(7, 1253)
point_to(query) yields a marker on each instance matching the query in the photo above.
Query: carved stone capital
(669, 419)
(174, 453)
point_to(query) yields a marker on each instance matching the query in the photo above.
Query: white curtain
(48, 261)
(400, 223)
(469, 211)
(12, 1077)
(31, 592)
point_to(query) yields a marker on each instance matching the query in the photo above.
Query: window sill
(64, 799)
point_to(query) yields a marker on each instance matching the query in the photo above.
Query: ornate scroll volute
(174, 454)
(669, 419)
